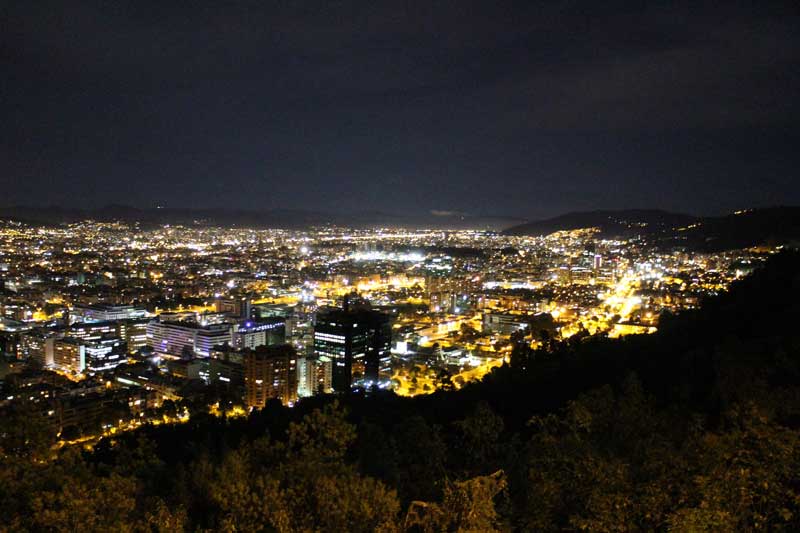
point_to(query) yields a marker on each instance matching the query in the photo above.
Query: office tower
(104, 355)
(133, 333)
(358, 342)
(270, 372)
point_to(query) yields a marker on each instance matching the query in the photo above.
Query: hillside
(775, 225)
(611, 223)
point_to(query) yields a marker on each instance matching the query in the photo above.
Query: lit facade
(270, 372)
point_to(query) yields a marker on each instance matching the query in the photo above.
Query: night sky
(485, 108)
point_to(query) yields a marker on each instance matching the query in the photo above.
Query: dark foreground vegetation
(695, 428)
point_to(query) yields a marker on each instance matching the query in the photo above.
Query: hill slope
(610, 222)
(775, 225)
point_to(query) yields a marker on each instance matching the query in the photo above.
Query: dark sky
(486, 107)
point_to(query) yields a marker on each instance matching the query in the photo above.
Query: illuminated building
(238, 307)
(69, 355)
(358, 342)
(314, 375)
(104, 355)
(105, 312)
(447, 294)
(186, 339)
(270, 372)
(251, 334)
(504, 322)
(38, 345)
(134, 333)
(93, 331)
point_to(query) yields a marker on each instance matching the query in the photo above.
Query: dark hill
(611, 223)
(771, 226)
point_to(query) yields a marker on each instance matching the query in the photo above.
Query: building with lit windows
(358, 343)
(134, 333)
(69, 355)
(104, 355)
(314, 375)
(252, 334)
(38, 345)
(105, 312)
(186, 339)
(270, 372)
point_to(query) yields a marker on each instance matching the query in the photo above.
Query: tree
(745, 479)
(478, 440)
(444, 380)
(94, 505)
(421, 459)
(302, 484)
(25, 432)
(467, 506)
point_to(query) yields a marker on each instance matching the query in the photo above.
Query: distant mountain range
(775, 225)
(274, 218)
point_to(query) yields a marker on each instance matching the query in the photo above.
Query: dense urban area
(108, 326)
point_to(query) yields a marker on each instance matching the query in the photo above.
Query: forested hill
(694, 428)
(609, 222)
(750, 227)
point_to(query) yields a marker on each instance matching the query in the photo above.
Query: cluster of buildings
(94, 316)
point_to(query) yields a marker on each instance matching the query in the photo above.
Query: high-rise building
(69, 355)
(270, 372)
(314, 375)
(358, 342)
(449, 294)
(226, 368)
(133, 333)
